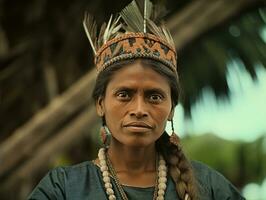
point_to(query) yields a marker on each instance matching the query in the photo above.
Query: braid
(179, 167)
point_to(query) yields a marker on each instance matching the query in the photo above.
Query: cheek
(113, 114)
(162, 114)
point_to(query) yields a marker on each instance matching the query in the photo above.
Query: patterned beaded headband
(132, 34)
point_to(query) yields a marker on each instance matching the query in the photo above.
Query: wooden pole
(47, 152)
(20, 145)
(203, 15)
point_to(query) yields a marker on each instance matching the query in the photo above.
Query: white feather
(111, 28)
(145, 16)
(89, 26)
(132, 17)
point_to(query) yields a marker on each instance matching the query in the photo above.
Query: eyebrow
(123, 88)
(156, 90)
(148, 90)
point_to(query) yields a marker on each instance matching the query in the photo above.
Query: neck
(140, 181)
(133, 159)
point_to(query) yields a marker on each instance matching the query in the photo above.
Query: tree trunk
(202, 15)
(20, 145)
(73, 133)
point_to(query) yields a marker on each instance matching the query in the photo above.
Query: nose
(139, 108)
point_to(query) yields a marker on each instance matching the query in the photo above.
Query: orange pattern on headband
(135, 45)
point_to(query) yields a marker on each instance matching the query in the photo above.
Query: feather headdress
(136, 20)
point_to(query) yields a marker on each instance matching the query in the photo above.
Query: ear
(171, 114)
(100, 107)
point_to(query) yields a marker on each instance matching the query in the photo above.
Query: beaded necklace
(107, 170)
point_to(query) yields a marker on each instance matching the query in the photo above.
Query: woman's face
(136, 105)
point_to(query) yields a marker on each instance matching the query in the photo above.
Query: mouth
(138, 126)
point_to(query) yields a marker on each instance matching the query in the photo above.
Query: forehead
(138, 75)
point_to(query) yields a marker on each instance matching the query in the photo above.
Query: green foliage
(240, 38)
(241, 162)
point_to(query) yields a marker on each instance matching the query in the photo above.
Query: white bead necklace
(162, 174)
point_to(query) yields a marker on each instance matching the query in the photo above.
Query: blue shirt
(84, 182)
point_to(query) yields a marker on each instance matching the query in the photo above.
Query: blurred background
(47, 117)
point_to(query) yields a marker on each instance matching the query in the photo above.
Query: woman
(136, 92)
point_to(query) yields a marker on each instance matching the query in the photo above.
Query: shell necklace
(107, 170)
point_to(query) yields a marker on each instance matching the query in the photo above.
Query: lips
(138, 125)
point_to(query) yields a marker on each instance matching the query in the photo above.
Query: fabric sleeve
(51, 187)
(213, 185)
(221, 188)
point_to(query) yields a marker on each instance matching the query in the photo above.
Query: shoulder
(77, 168)
(67, 173)
(213, 183)
(75, 174)
(55, 184)
(203, 171)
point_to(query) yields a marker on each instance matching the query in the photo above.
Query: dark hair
(179, 167)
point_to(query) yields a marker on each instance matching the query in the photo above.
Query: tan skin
(136, 106)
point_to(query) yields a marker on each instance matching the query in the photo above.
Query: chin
(139, 143)
(136, 140)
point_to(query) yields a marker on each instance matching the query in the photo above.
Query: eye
(123, 95)
(156, 98)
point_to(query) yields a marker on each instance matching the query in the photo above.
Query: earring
(101, 114)
(105, 135)
(174, 139)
